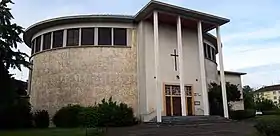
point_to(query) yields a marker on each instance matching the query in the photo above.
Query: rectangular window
(72, 37)
(47, 41)
(104, 36)
(32, 47)
(208, 52)
(205, 49)
(213, 54)
(38, 44)
(120, 37)
(57, 38)
(87, 36)
(275, 97)
(274, 92)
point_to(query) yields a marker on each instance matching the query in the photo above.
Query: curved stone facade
(84, 75)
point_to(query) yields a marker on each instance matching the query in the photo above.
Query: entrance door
(173, 105)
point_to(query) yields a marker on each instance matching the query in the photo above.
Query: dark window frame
(47, 45)
(86, 40)
(120, 36)
(107, 40)
(73, 37)
(58, 41)
(38, 44)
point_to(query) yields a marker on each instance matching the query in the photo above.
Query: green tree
(248, 96)
(10, 57)
(216, 100)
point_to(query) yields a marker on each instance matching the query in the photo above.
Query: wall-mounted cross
(175, 55)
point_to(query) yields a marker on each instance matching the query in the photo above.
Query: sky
(251, 39)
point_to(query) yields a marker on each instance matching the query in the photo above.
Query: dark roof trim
(233, 73)
(156, 5)
(269, 88)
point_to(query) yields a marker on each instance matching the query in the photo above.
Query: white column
(64, 38)
(51, 40)
(222, 73)
(157, 78)
(181, 68)
(80, 36)
(202, 70)
(42, 42)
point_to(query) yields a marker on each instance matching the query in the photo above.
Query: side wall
(85, 75)
(236, 79)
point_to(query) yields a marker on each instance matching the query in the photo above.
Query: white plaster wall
(211, 71)
(167, 44)
(235, 79)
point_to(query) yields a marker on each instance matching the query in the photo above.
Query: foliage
(271, 112)
(216, 100)
(268, 126)
(14, 111)
(41, 119)
(248, 96)
(88, 117)
(67, 117)
(242, 114)
(113, 114)
(17, 115)
(263, 104)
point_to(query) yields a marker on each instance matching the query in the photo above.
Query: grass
(52, 132)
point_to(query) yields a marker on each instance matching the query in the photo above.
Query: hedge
(242, 114)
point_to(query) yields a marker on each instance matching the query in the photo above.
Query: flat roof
(268, 88)
(233, 73)
(141, 15)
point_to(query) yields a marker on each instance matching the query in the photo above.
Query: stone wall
(84, 75)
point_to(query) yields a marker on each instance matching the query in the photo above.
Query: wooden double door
(173, 105)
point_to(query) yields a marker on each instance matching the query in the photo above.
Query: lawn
(51, 132)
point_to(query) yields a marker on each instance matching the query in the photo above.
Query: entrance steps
(189, 120)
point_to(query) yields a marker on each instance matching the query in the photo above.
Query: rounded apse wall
(84, 75)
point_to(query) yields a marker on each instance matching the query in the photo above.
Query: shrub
(271, 112)
(41, 119)
(269, 126)
(112, 114)
(88, 117)
(67, 117)
(242, 114)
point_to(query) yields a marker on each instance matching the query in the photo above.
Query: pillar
(202, 70)
(181, 68)
(156, 77)
(222, 73)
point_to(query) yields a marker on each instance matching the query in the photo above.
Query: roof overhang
(189, 17)
(30, 31)
(211, 20)
(233, 73)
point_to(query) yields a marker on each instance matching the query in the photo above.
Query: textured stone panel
(84, 75)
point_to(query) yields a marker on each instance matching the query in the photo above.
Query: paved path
(214, 129)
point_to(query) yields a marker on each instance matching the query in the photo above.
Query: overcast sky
(251, 40)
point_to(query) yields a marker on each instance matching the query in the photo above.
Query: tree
(14, 111)
(248, 96)
(216, 100)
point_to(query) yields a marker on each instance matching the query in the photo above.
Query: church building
(159, 61)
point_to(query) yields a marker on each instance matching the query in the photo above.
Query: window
(32, 46)
(87, 36)
(274, 92)
(104, 36)
(47, 41)
(72, 37)
(275, 97)
(213, 54)
(57, 38)
(205, 49)
(120, 36)
(38, 44)
(208, 52)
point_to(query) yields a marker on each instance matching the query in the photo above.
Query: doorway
(173, 100)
